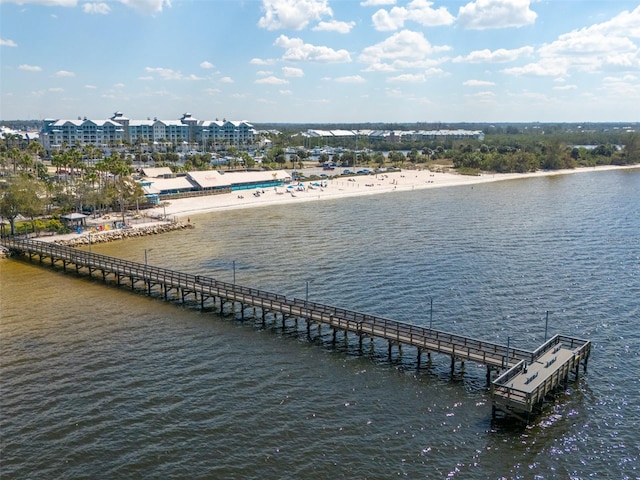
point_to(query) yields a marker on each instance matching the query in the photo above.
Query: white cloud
(485, 14)
(165, 73)
(285, 92)
(607, 45)
(477, 83)
(500, 55)
(146, 78)
(482, 96)
(271, 81)
(30, 68)
(408, 78)
(292, 14)
(541, 69)
(96, 8)
(565, 87)
(206, 65)
(292, 72)
(419, 11)
(147, 6)
(334, 26)
(169, 74)
(261, 61)
(350, 79)
(627, 87)
(380, 67)
(5, 42)
(90, 87)
(64, 73)
(297, 50)
(377, 3)
(264, 73)
(405, 45)
(46, 3)
(56, 89)
(226, 80)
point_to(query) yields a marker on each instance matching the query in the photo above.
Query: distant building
(119, 130)
(156, 183)
(394, 136)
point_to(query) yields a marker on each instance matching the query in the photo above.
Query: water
(99, 382)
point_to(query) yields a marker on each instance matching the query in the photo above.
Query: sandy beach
(341, 187)
(178, 213)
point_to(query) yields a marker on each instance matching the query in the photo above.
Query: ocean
(101, 382)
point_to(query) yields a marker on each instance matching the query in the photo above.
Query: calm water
(99, 382)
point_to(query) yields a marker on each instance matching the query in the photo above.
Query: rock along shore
(83, 239)
(93, 237)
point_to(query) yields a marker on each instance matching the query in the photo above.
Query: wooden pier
(527, 378)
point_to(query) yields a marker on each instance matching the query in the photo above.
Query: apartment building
(119, 130)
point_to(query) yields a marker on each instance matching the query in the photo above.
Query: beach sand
(341, 187)
(181, 210)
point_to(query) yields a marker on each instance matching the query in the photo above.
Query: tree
(378, 159)
(22, 196)
(553, 155)
(631, 152)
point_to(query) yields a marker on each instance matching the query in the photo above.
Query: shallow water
(100, 382)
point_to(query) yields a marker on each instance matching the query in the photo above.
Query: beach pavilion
(75, 219)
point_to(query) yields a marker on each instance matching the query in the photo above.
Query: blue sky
(337, 61)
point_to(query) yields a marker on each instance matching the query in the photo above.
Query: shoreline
(343, 187)
(180, 210)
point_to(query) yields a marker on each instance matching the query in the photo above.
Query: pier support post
(419, 358)
(453, 364)
(584, 365)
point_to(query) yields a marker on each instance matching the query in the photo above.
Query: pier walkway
(527, 378)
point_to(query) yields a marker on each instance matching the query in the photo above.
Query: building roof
(235, 178)
(74, 216)
(208, 179)
(156, 172)
(160, 185)
(212, 178)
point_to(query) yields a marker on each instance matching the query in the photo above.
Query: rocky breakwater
(85, 238)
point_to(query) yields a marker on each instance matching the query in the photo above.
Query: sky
(322, 61)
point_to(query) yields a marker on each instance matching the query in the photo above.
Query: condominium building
(119, 130)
